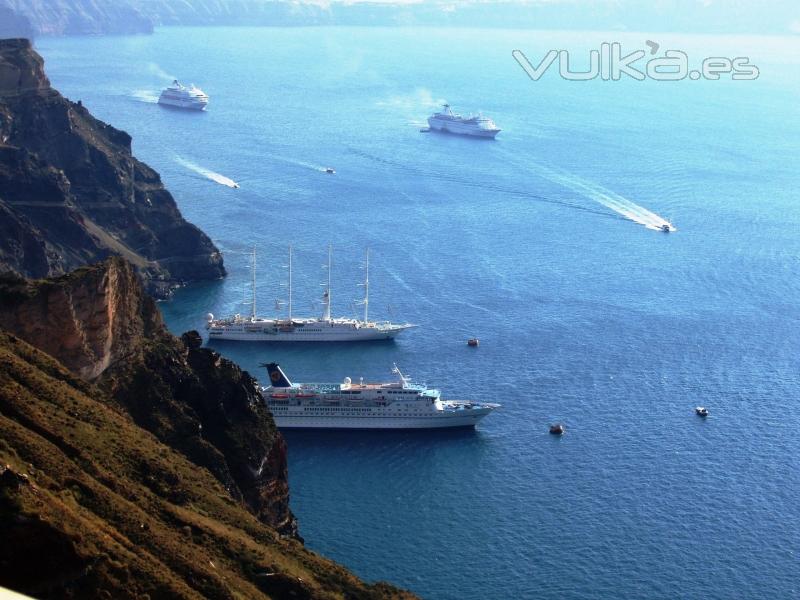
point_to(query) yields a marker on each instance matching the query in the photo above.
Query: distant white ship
(184, 97)
(450, 122)
(396, 405)
(307, 329)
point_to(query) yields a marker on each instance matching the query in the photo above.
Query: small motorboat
(666, 228)
(472, 342)
(330, 170)
(701, 411)
(557, 429)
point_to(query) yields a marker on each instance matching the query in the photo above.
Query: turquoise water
(584, 316)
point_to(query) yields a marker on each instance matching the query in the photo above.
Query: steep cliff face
(73, 192)
(234, 12)
(99, 322)
(59, 17)
(94, 507)
(89, 319)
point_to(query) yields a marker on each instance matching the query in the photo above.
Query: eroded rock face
(89, 319)
(75, 194)
(99, 322)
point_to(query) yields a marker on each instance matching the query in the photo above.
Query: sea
(544, 245)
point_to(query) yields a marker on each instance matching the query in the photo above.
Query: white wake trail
(619, 204)
(148, 96)
(207, 173)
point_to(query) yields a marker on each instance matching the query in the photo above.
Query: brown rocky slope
(93, 506)
(72, 193)
(159, 472)
(99, 322)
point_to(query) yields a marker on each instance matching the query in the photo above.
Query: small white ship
(399, 404)
(449, 122)
(184, 97)
(307, 329)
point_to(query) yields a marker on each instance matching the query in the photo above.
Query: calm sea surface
(584, 316)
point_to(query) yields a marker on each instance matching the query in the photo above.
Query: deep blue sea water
(584, 316)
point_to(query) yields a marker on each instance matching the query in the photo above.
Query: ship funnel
(277, 377)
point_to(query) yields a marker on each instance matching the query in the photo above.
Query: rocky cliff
(99, 322)
(70, 17)
(129, 16)
(150, 466)
(71, 192)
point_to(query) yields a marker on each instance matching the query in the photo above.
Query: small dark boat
(330, 170)
(472, 342)
(557, 429)
(665, 228)
(701, 411)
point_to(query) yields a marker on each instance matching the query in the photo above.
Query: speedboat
(330, 170)
(701, 411)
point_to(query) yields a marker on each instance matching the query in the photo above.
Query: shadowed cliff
(72, 193)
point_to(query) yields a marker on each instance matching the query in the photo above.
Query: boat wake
(208, 174)
(619, 204)
(301, 163)
(482, 184)
(148, 96)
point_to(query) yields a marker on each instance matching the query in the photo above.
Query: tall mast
(366, 288)
(254, 284)
(327, 315)
(290, 282)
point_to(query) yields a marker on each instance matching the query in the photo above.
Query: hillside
(158, 471)
(93, 506)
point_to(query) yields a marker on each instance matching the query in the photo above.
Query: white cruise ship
(449, 122)
(399, 404)
(184, 97)
(303, 329)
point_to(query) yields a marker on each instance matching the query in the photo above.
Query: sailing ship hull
(302, 334)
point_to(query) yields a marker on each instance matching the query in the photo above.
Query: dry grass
(110, 512)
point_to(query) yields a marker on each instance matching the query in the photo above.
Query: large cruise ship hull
(178, 103)
(447, 126)
(445, 421)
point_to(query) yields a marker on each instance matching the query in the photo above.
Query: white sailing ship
(253, 328)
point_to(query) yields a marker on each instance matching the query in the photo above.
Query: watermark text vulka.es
(609, 64)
